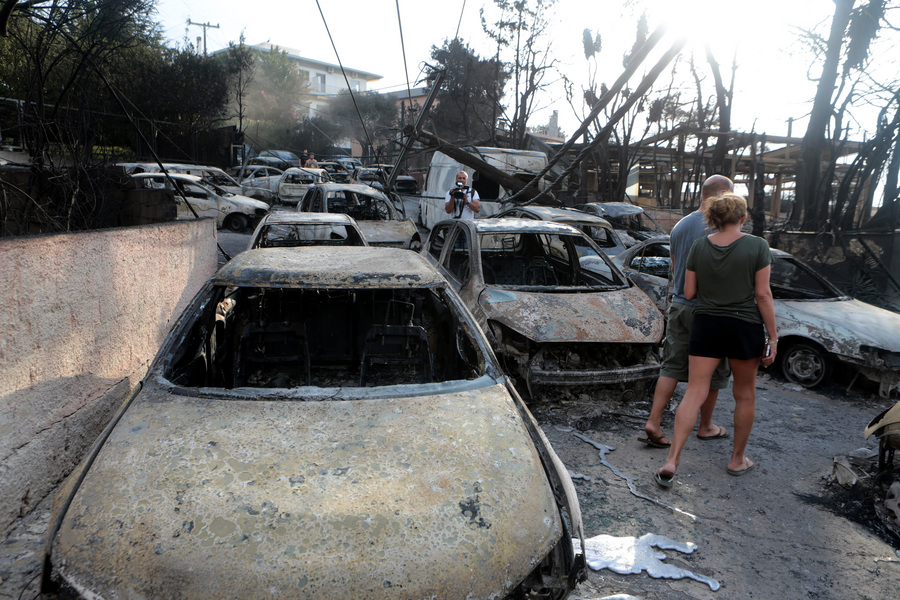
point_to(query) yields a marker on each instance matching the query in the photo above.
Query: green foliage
(468, 101)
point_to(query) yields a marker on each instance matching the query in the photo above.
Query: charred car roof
(329, 267)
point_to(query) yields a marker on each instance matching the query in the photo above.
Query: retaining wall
(81, 317)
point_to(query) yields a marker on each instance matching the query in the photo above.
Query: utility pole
(205, 26)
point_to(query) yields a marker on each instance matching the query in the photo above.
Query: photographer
(462, 201)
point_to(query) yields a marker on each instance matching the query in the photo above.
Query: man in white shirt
(462, 202)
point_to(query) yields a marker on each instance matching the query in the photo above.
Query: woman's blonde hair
(724, 209)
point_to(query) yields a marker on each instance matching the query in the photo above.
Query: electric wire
(403, 52)
(344, 73)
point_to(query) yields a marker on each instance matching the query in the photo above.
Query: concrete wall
(81, 317)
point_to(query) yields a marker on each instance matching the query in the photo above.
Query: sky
(771, 85)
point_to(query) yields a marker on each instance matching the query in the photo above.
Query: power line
(346, 79)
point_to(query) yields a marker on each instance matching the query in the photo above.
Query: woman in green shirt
(734, 318)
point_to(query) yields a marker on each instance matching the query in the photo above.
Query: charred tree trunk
(810, 184)
(724, 106)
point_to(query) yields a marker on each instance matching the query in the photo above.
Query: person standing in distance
(462, 202)
(674, 367)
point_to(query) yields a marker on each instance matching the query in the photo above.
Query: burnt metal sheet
(484, 226)
(429, 496)
(388, 232)
(331, 267)
(614, 316)
(840, 325)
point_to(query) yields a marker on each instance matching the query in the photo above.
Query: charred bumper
(604, 365)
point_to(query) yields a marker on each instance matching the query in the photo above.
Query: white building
(325, 79)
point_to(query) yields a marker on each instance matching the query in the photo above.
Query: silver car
(382, 217)
(196, 198)
(258, 181)
(818, 325)
(323, 423)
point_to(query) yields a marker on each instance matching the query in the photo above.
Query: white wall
(81, 317)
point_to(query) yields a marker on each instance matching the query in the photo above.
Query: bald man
(462, 202)
(674, 367)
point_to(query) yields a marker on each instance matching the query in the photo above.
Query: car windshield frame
(534, 260)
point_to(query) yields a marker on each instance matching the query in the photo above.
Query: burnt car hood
(616, 316)
(424, 496)
(840, 325)
(388, 232)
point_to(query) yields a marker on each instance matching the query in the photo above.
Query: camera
(460, 192)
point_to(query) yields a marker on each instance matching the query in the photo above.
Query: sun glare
(722, 25)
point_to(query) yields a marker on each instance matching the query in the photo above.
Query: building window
(320, 83)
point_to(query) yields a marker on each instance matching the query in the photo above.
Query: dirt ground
(781, 532)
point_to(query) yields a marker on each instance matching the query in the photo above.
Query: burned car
(195, 198)
(558, 312)
(818, 324)
(290, 230)
(258, 181)
(596, 228)
(382, 217)
(630, 220)
(296, 181)
(328, 422)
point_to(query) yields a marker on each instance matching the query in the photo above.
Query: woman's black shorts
(716, 336)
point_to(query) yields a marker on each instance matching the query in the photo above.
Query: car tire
(805, 364)
(237, 223)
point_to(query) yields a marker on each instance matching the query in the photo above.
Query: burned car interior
(358, 206)
(540, 260)
(289, 337)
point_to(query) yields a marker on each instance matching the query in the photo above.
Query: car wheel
(805, 364)
(415, 244)
(237, 223)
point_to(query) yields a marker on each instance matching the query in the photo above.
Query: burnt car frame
(818, 325)
(293, 229)
(557, 311)
(329, 422)
(634, 224)
(381, 216)
(596, 228)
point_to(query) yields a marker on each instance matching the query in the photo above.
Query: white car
(818, 324)
(295, 181)
(210, 175)
(291, 229)
(258, 181)
(193, 195)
